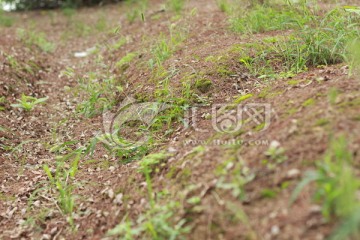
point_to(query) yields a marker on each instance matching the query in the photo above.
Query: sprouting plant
(62, 181)
(136, 9)
(157, 222)
(28, 103)
(5, 21)
(38, 39)
(126, 59)
(263, 18)
(2, 102)
(275, 153)
(164, 47)
(224, 5)
(150, 161)
(336, 187)
(333, 95)
(100, 93)
(233, 176)
(353, 55)
(176, 5)
(101, 24)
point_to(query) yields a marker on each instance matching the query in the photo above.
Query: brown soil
(28, 207)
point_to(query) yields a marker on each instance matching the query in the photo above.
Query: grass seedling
(38, 39)
(336, 187)
(176, 5)
(62, 182)
(28, 103)
(126, 60)
(156, 222)
(5, 21)
(262, 18)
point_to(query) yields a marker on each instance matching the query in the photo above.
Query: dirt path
(55, 185)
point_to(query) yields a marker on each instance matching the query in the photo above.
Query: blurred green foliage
(48, 4)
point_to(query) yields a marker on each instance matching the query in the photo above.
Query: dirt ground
(28, 206)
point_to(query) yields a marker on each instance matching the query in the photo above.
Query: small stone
(46, 237)
(36, 203)
(53, 231)
(172, 150)
(274, 144)
(111, 168)
(23, 211)
(315, 209)
(275, 230)
(111, 194)
(293, 173)
(118, 199)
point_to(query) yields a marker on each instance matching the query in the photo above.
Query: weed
(203, 85)
(322, 42)
(28, 103)
(38, 39)
(101, 24)
(322, 122)
(242, 98)
(69, 12)
(126, 60)
(2, 103)
(333, 95)
(136, 9)
(308, 102)
(81, 29)
(234, 175)
(176, 5)
(336, 186)
(156, 222)
(100, 93)
(165, 47)
(5, 20)
(121, 42)
(268, 193)
(275, 154)
(149, 162)
(62, 180)
(263, 18)
(353, 55)
(162, 51)
(224, 6)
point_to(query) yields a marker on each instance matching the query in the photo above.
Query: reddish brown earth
(28, 207)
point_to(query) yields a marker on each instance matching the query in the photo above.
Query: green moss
(203, 85)
(121, 42)
(268, 193)
(292, 111)
(308, 102)
(293, 82)
(356, 118)
(322, 122)
(5, 21)
(260, 127)
(242, 98)
(264, 93)
(224, 71)
(126, 59)
(351, 103)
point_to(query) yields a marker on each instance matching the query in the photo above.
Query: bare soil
(28, 209)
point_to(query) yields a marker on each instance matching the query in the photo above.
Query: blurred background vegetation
(48, 4)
